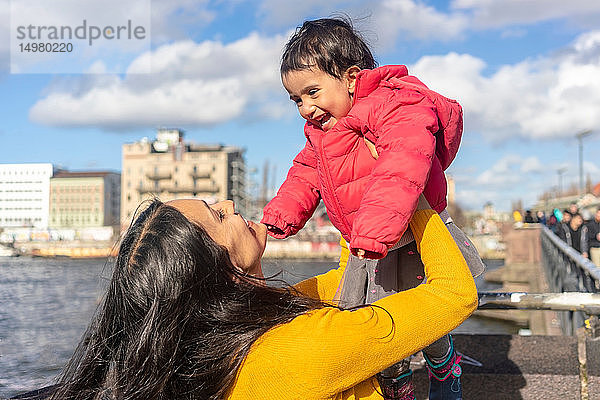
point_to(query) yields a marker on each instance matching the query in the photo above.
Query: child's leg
(444, 375)
(367, 281)
(354, 286)
(441, 358)
(438, 350)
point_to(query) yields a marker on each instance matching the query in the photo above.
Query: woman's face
(244, 240)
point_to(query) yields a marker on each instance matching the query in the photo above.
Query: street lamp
(580, 137)
(560, 173)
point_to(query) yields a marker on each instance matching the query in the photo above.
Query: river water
(46, 304)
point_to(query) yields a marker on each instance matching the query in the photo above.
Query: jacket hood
(368, 79)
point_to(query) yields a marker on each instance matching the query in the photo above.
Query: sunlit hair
(329, 44)
(177, 320)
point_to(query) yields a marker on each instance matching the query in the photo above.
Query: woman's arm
(329, 350)
(325, 286)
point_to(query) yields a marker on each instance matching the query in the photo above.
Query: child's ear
(350, 75)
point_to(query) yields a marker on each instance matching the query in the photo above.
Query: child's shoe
(399, 388)
(444, 378)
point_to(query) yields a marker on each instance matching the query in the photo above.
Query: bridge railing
(568, 271)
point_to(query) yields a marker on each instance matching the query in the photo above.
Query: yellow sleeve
(324, 287)
(329, 351)
(345, 254)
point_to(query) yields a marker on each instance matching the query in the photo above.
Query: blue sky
(526, 73)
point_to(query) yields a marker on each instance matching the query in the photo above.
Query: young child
(376, 139)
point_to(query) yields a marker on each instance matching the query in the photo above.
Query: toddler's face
(321, 99)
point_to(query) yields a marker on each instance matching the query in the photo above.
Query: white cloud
(171, 18)
(550, 97)
(414, 19)
(591, 169)
(506, 172)
(474, 199)
(388, 19)
(509, 178)
(500, 13)
(514, 177)
(532, 165)
(191, 84)
(513, 169)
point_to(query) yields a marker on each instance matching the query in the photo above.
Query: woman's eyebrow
(212, 212)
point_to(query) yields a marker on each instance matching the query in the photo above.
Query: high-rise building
(85, 199)
(24, 193)
(169, 168)
(451, 190)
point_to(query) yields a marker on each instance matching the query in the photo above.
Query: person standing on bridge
(377, 138)
(592, 243)
(571, 233)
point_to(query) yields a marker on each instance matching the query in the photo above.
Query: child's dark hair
(329, 44)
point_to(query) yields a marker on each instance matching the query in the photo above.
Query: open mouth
(323, 119)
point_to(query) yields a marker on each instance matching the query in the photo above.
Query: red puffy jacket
(416, 133)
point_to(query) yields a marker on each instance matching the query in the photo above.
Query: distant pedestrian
(592, 234)
(573, 208)
(517, 216)
(571, 233)
(541, 217)
(528, 219)
(552, 223)
(557, 214)
(562, 228)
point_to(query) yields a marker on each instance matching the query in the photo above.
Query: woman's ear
(350, 75)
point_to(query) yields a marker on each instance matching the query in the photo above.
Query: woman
(188, 316)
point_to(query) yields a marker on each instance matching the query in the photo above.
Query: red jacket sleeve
(402, 124)
(297, 197)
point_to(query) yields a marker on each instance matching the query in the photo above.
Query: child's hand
(275, 230)
(362, 254)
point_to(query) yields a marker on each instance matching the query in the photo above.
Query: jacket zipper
(338, 210)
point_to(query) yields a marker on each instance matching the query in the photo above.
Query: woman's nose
(226, 206)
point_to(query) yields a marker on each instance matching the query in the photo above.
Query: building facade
(24, 195)
(451, 190)
(169, 168)
(85, 199)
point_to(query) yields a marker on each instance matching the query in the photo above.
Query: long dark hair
(329, 44)
(177, 320)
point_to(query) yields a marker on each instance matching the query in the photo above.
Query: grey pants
(366, 281)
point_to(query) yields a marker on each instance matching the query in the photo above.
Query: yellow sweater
(333, 354)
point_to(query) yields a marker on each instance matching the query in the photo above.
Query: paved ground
(521, 367)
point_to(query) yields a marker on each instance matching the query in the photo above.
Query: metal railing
(568, 271)
(570, 302)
